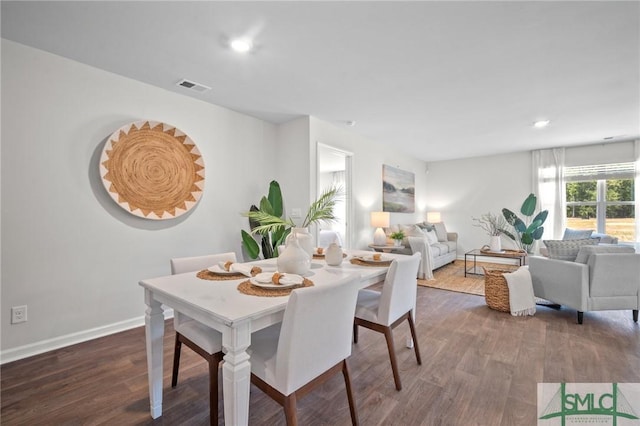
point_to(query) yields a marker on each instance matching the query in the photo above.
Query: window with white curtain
(602, 197)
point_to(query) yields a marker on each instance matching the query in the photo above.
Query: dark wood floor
(480, 367)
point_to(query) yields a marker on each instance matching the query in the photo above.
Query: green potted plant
(397, 237)
(269, 240)
(268, 221)
(529, 230)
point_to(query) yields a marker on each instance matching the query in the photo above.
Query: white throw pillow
(441, 231)
(432, 238)
(605, 239)
(391, 229)
(412, 231)
(576, 234)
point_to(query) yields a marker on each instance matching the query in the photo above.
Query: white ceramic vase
(304, 238)
(293, 259)
(333, 255)
(495, 244)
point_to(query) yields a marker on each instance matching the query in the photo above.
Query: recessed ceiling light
(541, 123)
(241, 45)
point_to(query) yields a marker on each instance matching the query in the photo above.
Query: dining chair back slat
(310, 346)
(383, 311)
(181, 265)
(203, 340)
(190, 264)
(399, 289)
(315, 333)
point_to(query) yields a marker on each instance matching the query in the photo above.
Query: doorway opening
(334, 168)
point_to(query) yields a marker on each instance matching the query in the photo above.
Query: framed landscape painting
(398, 190)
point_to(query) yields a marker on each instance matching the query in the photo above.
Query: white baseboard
(43, 346)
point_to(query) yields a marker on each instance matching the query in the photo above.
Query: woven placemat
(245, 287)
(365, 263)
(152, 170)
(206, 274)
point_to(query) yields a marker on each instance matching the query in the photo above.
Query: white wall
(368, 158)
(292, 167)
(603, 153)
(297, 164)
(68, 251)
(462, 189)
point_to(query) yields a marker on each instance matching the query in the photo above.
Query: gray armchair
(609, 279)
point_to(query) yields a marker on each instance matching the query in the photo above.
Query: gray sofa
(437, 246)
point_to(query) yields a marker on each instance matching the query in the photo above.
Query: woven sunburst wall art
(152, 170)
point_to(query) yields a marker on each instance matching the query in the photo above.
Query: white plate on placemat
(218, 270)
(370, 259)
(286, 281)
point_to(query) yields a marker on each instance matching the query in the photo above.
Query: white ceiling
(437, 80)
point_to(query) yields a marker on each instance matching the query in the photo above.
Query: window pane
(620, 190)
(621, 222)
(582, 191)
(583, 211)
(578, 223)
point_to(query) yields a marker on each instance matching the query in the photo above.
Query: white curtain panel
(548, 184)
(637, 192)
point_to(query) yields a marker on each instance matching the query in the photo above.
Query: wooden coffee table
(516, 255)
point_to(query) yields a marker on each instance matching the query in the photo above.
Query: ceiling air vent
(192, 85)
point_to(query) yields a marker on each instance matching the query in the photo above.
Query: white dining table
(221, 306)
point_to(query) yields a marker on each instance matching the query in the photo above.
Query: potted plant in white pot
(397, 238)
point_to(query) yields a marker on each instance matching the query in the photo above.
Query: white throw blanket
(521, 298)
(420, 245)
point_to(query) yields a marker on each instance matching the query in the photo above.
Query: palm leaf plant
(270, 237)
(526, 231)
(321, 210)
(268, 222)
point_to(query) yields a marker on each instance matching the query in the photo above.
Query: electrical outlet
(18, 314)
(296, 212)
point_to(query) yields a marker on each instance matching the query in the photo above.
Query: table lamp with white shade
(380, 220)
(434, 217)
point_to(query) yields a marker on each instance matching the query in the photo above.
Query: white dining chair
(311, 345)
(382, 311)
(203, 340)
